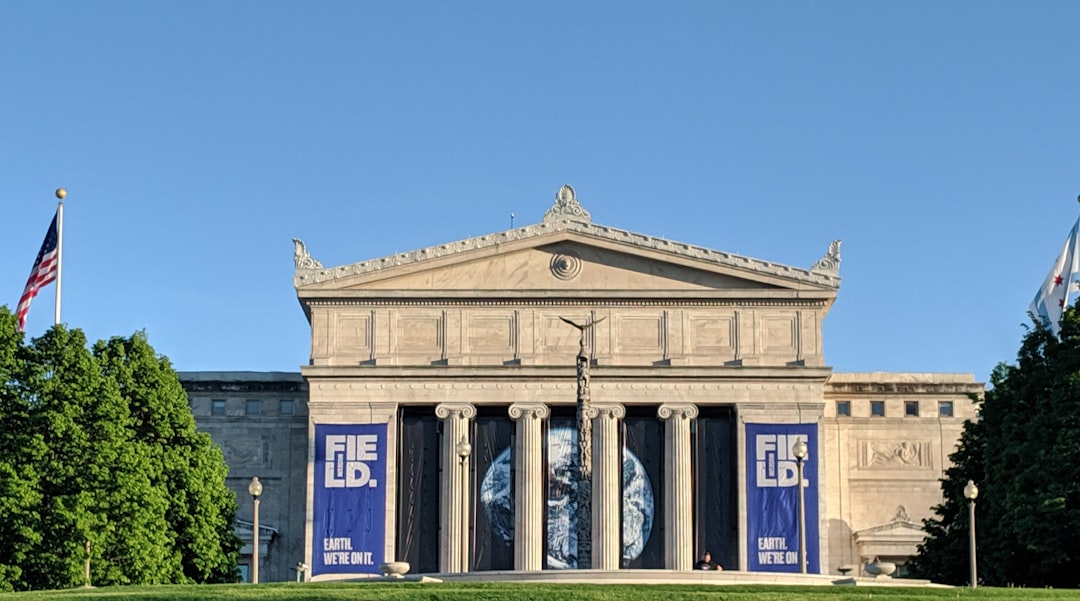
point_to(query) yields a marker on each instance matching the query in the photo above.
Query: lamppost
(971, 491)
(255, 490)
(464, 449)
(800, 451)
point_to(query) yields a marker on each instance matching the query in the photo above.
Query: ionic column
(528, 486)
(454, 512)
(607, 486)
(678, 489)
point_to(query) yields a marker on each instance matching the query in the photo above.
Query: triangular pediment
(567, 256)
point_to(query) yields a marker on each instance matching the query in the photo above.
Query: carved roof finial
(301, 258)
(830, 263)
(567, 207)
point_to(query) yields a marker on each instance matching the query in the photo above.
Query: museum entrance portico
(442, 402)
(669, 489)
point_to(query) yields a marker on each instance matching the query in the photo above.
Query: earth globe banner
(348, 534)
(772, 477)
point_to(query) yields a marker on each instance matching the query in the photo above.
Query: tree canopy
(101, 468)
(1024, 454)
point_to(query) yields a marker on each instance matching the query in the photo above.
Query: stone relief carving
(565, 265)
(567, 207)
(895, 455)
(901, 514)
(830, 263)
(302, 258)
(249, 452)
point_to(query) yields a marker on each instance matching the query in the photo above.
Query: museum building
(436, 420)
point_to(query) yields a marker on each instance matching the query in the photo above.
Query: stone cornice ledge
(444, 373)
(304, 275)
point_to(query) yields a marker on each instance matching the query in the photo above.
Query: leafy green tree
(19, 496)
(1024, 454)
(102, 469)
(201, 508)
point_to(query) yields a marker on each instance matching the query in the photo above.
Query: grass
(411, 591)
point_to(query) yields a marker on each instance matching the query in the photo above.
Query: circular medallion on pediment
(565, 265)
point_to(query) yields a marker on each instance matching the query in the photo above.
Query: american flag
(43, 273)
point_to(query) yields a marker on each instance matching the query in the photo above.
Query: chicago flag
(1062, 282)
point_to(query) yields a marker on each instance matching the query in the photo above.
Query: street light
(800, 451)
(255, 490)
(971, 491)
(464, 449)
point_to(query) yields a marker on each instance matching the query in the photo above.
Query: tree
(1024, 454)
(201, 508)
(101, 468)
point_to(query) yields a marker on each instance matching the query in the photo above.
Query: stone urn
(879, 569)
(394, 569)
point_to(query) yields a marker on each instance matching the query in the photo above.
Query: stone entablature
(882, 383)
(241, 382)
(533, 334)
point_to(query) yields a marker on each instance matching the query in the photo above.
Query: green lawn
(410, 591)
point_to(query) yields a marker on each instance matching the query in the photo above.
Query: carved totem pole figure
(584, 459)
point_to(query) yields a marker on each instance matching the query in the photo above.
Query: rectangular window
(252, 407)
(944, 409)
(287, 407)
(217, 407)
(911, 408)
(843, 408)
(877, 408)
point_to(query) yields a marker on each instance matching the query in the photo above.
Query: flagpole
(60, 194)
(1070, 268)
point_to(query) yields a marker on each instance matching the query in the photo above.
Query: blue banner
(349, 531)
(772, 475)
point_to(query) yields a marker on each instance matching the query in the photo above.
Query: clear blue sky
(938, 140)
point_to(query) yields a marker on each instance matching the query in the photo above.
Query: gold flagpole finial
(61, 193)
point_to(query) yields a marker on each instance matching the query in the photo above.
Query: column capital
(613, 410)
(682, 410)
(464, 410)
(530, 410)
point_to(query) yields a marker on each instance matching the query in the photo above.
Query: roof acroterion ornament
(302, 258)
(567, 207)
(830, 263)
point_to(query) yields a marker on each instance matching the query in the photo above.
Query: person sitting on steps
(705, 563)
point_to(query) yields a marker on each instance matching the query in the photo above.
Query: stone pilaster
(454, 513)
(607, 486)
(529, 486)
(678, 491)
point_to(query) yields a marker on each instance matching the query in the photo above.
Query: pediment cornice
(824, 273)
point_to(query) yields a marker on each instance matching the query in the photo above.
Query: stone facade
(260, 421)
(466, 342)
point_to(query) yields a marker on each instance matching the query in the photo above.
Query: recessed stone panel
(489, 333)
(556, 335)
(639, 334)
(354, 333)
(711, 334)
(778, 334)
(418, 333)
